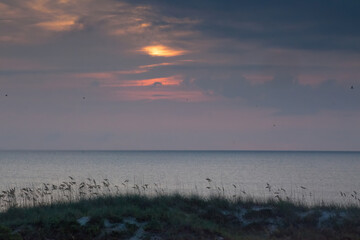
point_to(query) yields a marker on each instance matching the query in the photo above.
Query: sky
(180, 75)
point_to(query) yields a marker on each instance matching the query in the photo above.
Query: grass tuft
(139, 213)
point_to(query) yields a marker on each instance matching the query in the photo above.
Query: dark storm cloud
(313, 25)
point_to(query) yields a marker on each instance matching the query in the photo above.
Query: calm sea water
(323, 174)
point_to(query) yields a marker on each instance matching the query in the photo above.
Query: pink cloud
(164, 81)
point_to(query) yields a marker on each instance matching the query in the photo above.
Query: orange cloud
(54, 17)
(162, 51)
(179, 62)
(158, 65)
(165, 81)
(164, 88)
(36, 20)
(132, 29)
(58, 26)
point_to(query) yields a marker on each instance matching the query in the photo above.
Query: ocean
(312, 177)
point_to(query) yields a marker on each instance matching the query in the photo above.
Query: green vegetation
(101, 210)
(175, 216)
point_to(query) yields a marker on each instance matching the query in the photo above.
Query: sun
(162, 51)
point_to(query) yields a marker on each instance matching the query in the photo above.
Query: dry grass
(74, 191)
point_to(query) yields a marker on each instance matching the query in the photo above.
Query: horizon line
(167, 150)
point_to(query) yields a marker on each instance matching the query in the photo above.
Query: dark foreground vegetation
(173, 216)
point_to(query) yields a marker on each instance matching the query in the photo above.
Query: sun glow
(162, 51)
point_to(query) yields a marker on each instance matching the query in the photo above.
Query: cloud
(158, 65)
(118, 75)
(244, 64)
(154, 89)
(158, 93)
(164, 81)
(35, 20)
(320, 25)
(60, 25)
(40, 20)
(284, 93)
